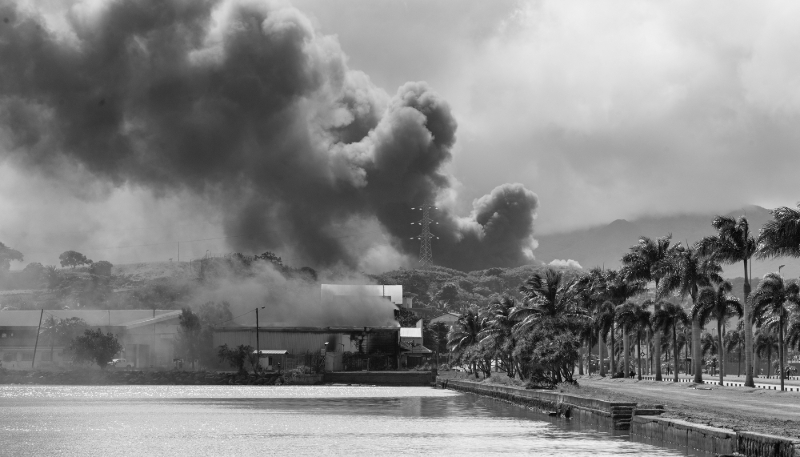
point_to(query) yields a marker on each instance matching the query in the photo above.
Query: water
(285, 420)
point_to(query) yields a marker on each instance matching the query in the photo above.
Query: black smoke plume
(246, 105)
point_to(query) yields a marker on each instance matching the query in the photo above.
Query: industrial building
(146, 336)
(370, 338)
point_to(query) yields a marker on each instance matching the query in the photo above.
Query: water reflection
(177, 420)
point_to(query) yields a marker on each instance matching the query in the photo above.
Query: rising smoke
(247, 106)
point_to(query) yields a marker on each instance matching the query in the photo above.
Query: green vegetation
(551, 323)
(94, 346)
(73, 259)
(238, 357)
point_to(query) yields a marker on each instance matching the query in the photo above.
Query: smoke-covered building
(147, 336)
(361, 329)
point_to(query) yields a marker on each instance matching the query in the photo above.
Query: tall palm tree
(645, 261)
(546, 295)
(733, 243)
(780, 237)
(767, 343)
(632, 316)
(603, 321)
(771, 300)
(719, 305)
(464, 333)
(497, 329)
(734, 342)
(666, 320)
(588, 336)
(687, 273)
(619, 289)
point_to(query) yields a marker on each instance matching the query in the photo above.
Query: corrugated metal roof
(153, 320)
(93, 317)
(410, 332)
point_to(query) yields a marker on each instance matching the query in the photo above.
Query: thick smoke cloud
(247, 106)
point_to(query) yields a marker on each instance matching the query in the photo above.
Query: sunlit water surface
(284, 420)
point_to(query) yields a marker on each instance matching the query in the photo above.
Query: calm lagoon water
(285, 420)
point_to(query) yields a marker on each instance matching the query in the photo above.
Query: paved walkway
(791, 385)
(740, 408)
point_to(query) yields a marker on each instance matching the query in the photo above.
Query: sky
(598, 110)
(606, 110)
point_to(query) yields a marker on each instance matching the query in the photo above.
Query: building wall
(305, 341)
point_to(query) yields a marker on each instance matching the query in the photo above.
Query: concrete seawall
(643, 425)
(381, 378)
(617, 415)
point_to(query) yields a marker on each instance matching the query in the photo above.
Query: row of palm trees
(592, 308)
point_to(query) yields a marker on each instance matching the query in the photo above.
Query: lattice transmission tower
(425, 251)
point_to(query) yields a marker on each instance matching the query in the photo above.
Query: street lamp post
(258, 345)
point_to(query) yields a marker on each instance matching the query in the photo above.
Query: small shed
(271, 359)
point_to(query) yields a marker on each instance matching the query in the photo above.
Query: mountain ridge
(604, 245)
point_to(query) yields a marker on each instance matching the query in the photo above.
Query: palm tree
(619, 289)
(464, 333)
(734, 341)
(793, 336)
(645, 262)
(767, 343)
(588, 336)
(780, 237)
(636, 317)
(708, 345)
(717, 304)
(666, 320)
(547, 296)
(687, 273)
(497, 330)
(603, 322)
(733, 243)
(770, 301)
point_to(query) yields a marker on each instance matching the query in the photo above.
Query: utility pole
(258, 345)
(425, 251)
(39, 330)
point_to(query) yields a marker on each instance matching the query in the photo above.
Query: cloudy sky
(604, 110)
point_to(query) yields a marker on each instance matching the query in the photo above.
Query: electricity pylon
(425, 251)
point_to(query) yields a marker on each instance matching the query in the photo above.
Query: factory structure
(373, 342)
(366, 335)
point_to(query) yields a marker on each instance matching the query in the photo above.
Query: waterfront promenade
(737, 408)
(790, 385)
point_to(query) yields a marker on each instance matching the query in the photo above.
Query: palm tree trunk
(580, 362)
(748, 331)
(769, 363)
(657, 342)
(739, 367)
(626, 349)
(612, 352)
(697, 351)
(781, 347)
(675, 351)
(721, 350)
(601, 342)
(639, 353)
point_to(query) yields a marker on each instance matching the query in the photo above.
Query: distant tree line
(553, 329)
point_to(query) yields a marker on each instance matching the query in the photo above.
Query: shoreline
(650, 424)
